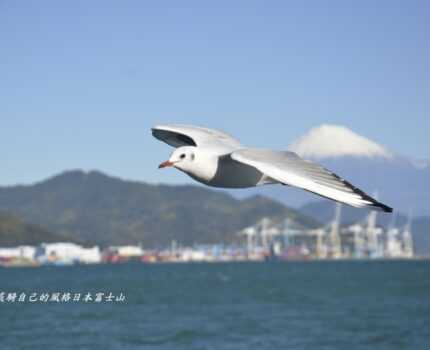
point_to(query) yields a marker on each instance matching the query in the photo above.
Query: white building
(20, 252)
(127, 250)
(64, 252)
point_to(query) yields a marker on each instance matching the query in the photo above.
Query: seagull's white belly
(231, 174)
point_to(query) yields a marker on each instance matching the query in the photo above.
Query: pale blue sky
(81, 82)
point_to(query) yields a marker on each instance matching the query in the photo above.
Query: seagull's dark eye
(182, 156)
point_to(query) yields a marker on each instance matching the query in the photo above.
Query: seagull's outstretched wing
(288, 168)
(177, 135)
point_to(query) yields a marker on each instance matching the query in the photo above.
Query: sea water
(289, 305)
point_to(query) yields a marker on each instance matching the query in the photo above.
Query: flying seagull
(215, 158)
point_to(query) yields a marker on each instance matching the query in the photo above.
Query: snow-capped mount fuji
(332, 141)
(400, 182)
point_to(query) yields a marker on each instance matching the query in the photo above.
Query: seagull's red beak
(165, 164)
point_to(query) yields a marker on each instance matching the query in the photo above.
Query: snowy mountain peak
(331, 141)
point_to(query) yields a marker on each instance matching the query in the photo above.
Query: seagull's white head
(200, 164)
(182, 158)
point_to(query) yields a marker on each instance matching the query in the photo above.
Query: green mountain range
(99, 209)
(13, 232)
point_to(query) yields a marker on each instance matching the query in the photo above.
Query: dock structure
(361, 240)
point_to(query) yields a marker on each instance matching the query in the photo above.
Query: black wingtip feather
(365, 196)
(385, 208)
